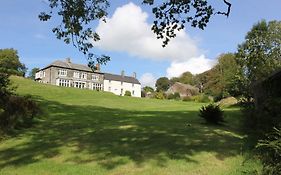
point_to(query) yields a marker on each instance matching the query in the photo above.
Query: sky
(126, 37)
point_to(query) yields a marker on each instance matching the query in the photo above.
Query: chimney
(122, 73)
(134, 74)
(97, 67)
(68, 60)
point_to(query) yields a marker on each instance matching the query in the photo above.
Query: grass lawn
(87, 132)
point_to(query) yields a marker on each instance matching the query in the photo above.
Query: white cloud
(148, 79)
(194, 65)
(129, 31)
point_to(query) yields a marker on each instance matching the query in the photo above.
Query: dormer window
(62, 72)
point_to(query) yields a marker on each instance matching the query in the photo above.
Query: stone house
(68, 74)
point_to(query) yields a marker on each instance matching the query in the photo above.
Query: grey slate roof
(127, 79)
(65, 64)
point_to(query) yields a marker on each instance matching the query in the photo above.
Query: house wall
(120, 88)
(52, 77)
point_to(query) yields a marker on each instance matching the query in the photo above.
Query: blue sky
(126, 37)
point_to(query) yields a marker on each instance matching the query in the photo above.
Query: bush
(175, 96)
(202, 98)
(127, 93)
(187, 98)
(18, 112)
(262, 120)
(212, 114)
(270, 152)
(159, 95)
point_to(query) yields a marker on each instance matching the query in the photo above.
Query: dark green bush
(187, 98)
(212, 114)
(175, 96)
(18, 112)
(262, 120)
(159, 95)
(270, 152)
(202, 98)
(127, 93)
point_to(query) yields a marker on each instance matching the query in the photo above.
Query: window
(95, 77)
(121, 92)
(62, 72)
(133, 92)
(84, 75)
(65, 83)
(80, 85)
(44, 74)
(97, 86)
(109, 88)
(133, 85)
(76, 75)
(121, 83)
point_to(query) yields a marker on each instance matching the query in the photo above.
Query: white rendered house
(119, 84)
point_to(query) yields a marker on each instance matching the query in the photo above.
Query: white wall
(116, 86)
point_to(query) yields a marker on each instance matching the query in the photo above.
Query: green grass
(87, 132)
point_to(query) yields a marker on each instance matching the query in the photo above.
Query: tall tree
(218, 81)
(260, 54)
(185, 78)
(33, 72)
(162, 84)
(10, 63)
(170, 16)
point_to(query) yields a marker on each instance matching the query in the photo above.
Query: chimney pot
(68, 60)
(134, 74)
(97, 67)
(122, 73)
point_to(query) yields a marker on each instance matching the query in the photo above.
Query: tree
(260, 54)
(185, 78)
(148, 89)
(218, 81)
(33, 72)
(10, 64)
(170, 16)
(162, 84)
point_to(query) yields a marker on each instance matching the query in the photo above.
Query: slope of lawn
(87, 132)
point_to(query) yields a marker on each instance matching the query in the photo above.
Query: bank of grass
(87, 132)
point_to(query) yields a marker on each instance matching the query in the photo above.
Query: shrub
(262, 120)
(18, 112)
(187, 98)
(127, 93)
(202, 98)
(175, 96)
(159, 95)
(270, 153)
(211, 113)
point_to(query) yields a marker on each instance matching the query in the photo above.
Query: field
(87, 132)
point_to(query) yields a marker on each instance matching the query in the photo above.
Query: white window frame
(97, 86)
(79, 84)
(95, 77)
(63, 82)
(76, 74)
(62, 72)
(84, 75)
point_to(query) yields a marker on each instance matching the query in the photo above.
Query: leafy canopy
(260, 54)
(162, 84)
(10, 63)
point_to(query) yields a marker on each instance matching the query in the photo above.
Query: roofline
(69, 68)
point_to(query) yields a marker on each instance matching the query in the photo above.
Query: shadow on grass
(105, 135)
